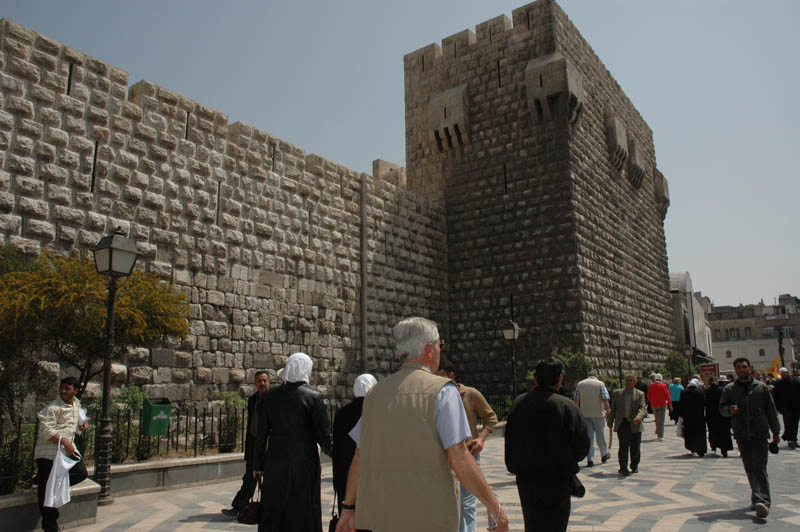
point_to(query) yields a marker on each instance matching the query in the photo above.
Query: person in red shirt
(658, 395)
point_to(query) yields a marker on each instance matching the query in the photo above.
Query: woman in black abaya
(693, 412)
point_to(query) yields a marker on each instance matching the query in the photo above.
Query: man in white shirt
(592, 397)
(58, 421)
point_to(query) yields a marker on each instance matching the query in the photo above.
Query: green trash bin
(155, 417)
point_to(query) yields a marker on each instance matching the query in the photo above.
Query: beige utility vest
(404, 479)
(591, 397)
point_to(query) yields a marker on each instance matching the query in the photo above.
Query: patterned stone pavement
(672, 492)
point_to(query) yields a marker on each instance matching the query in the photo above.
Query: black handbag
(577, 488)
(334, 516)
(251, 511)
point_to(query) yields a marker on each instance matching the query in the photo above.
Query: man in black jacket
(749, 405)
(787, 401)
(545, 439)
(261, 383)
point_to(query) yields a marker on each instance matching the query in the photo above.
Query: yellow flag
(776, 365)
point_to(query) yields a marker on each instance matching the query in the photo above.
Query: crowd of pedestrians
(406, 450)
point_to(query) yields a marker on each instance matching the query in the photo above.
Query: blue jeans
(595, 427)
(469, 507)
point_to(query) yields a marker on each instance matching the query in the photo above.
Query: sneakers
(762, 510)
(230, 512)
(605, 457)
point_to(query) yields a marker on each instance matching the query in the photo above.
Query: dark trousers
(629, 440)
(754, 459)
(77, 474)
(245, 493)
(545, 503)
(790, 418)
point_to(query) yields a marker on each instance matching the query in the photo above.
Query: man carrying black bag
(261, 383)
(546, 437)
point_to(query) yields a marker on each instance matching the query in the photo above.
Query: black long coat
(692, 405)
(343, 445)
(719, 426)
(293, 421)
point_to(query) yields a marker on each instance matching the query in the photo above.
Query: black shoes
(724, 453)
(230, 512)
(624, 472)
(635, 469)
(762, 510)
(605, 457)
(589, 463)
(792, 445)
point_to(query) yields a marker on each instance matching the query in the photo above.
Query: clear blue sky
(712, 78)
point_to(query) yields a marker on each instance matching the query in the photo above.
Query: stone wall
(519, 129)
(263, 239)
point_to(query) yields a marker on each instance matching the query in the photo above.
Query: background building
(754, 331)
(690, 318)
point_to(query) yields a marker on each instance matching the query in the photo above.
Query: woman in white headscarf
(693, 411)
(293, 421)
(343, 445)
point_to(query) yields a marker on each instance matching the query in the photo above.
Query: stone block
(163, 357)
(141, 375)
(203, 375)
(221, 375)
(119, 374)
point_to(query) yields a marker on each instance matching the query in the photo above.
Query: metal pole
(513, 370)
(102, 468)
(619, 364)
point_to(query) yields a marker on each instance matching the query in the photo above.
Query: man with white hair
(787, 401)
(410, 440)
(293, 420)
(593, 399)
(659, 398)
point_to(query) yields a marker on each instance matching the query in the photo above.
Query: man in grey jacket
(749, 404)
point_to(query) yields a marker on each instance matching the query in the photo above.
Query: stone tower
(554, 204)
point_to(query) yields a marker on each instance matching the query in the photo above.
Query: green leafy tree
(677, 365)
(60, 305)
(576, 368)
(20, 369)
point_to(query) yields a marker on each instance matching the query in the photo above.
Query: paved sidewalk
(672, 492)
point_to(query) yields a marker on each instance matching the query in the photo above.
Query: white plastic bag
(56, 493)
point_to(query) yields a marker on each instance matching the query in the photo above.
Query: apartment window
(728, 354)
(769, 331)
(747, 332)
(716, 334)
(761, 353)
(731, 334)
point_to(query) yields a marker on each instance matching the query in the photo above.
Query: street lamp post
(511, 332)
(115, 256)
(618, 340)
(688, 351)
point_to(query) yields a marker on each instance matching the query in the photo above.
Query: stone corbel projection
(661, 193)
(447, 119)
(617, 142)
(635, 165)
(553, 84)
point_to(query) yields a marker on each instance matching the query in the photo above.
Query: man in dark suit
(628, 408)
(261, 383)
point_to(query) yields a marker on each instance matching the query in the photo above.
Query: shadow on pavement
(741, 514)
(207, 518)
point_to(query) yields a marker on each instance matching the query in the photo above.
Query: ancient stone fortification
(553, 202)
(530, 192)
